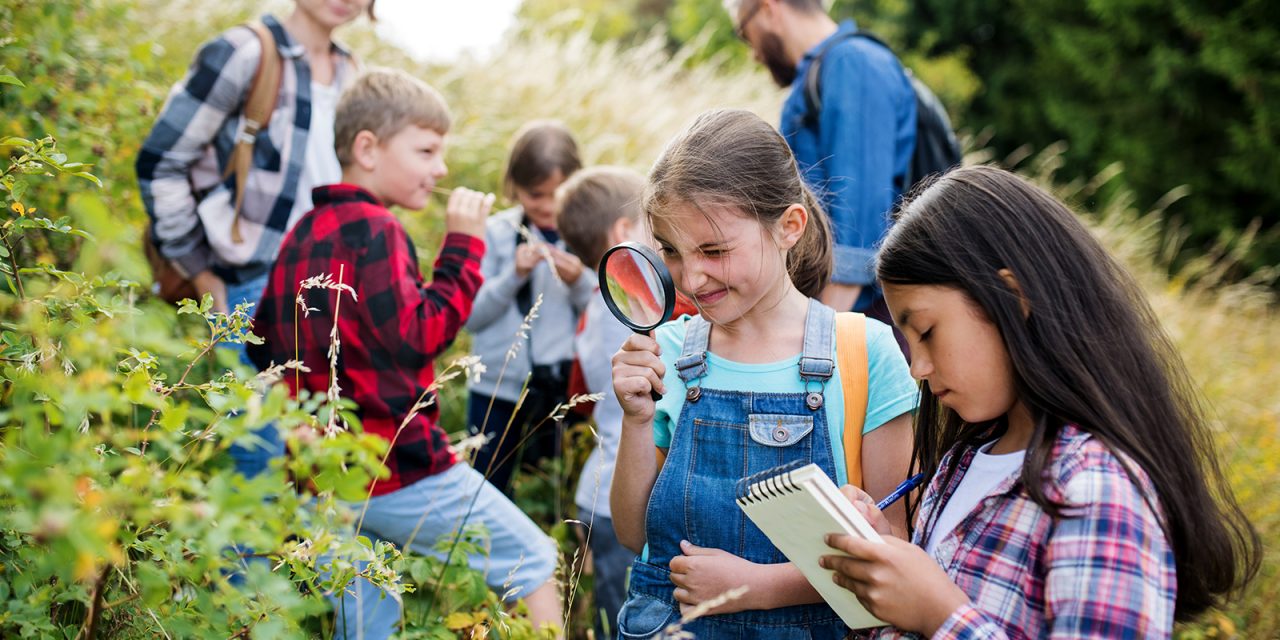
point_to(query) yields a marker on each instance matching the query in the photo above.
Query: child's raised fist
(467, 211)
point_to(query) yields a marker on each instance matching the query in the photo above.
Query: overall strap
(851, 352)
(816, 365)
(692, 363)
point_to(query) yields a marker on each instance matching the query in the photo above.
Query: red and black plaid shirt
(389, 337)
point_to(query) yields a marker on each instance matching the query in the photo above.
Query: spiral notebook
(796, 508)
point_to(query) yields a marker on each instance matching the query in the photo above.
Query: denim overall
(722, 436)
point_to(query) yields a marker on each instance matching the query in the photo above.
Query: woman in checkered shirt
(1075, 490)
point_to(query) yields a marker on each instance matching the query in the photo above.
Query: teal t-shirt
(892, 391)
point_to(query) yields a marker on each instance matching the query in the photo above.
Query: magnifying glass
(637, 288)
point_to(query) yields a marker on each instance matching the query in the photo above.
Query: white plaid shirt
(181, 163)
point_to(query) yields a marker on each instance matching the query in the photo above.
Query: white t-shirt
(320, 165)
(983, 475)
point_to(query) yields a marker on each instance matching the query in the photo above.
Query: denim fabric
(255, 457)
(722, 436)
(855, 154)
(512, 454)
(521, 557)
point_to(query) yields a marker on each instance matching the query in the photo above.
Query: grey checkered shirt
(181, 162)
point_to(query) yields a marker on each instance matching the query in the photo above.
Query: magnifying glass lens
(636, 288)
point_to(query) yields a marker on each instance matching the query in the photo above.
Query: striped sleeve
(196, 108)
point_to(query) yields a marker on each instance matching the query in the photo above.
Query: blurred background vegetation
(1157, 120)
(1181, 93)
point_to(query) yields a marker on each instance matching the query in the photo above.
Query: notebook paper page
(795, 511)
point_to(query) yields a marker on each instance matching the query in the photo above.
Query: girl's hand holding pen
(866, 506)
(897, 581)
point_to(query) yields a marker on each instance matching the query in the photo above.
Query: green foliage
(451, 600)
(604, 19)
(1179, 92)
(121, 512)
(123, 516)
(116, 413)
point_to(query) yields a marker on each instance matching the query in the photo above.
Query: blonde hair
(591, 202)
(731, 157)
(383, 102)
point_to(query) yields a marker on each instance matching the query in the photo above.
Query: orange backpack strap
(260, 103)
(851, 358)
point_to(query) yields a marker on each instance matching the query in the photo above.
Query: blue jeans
(521, 557)
(538, 446)
(255, 457)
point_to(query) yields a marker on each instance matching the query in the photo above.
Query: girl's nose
(689, 275)
(921, 366)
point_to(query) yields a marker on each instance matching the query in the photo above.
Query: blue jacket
(861, 142)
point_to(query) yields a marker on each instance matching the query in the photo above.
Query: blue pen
(902, 490)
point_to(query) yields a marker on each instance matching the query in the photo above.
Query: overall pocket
(778, 429)
(644, 617)
(776, 439)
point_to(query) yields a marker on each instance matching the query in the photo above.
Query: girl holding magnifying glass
(746, 385)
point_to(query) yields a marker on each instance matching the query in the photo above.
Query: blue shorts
(521, 557)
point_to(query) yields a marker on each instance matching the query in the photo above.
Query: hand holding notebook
(796, 508)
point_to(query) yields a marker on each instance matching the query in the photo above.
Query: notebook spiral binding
(770, 483)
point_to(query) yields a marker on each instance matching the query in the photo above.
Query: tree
(1180, 93)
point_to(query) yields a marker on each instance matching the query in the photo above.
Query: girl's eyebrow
(903, 317)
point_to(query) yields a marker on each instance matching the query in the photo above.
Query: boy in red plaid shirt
(389, 134)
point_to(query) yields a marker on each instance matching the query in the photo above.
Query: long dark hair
(733, 157)
(1091, 353)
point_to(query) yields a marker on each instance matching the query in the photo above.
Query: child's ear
(364, 150)
(791, 225)
(1011, 281)
(621, 231)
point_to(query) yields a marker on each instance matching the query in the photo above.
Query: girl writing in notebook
(748, 384)
(1075, 490)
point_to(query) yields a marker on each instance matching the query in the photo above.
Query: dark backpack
(936, 147)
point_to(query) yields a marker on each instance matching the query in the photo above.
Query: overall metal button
(813, 400)
(693, 393)
(780, 434)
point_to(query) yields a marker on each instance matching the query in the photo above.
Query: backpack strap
(264, 91)
(813, 77)
(851, 356)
